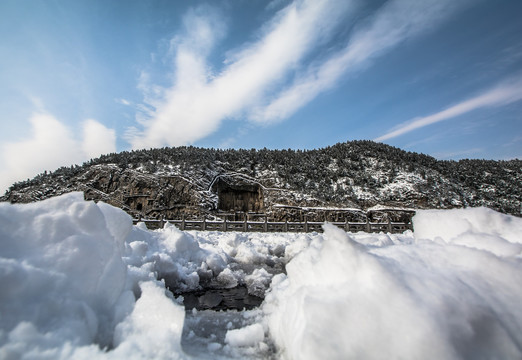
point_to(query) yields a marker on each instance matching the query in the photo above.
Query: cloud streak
(394, 23)
(199, 100)
(50, 146)
(284, 61)
(503, 94)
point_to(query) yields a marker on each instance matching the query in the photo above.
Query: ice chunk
(227, 279)
(258, 282)
(153, 329)
(246, 336)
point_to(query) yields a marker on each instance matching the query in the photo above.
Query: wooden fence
(267, 226)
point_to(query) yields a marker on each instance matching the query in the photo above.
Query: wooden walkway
(266, 226)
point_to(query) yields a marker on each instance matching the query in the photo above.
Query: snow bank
(425, 299)
(66, 288)
(61, 268)
(79, 281)
(479, 228)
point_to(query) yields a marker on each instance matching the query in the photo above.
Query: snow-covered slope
(79, 281)
(359, 174)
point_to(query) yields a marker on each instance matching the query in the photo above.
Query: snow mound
(479, 228)
(61, 268)
(153, 329)
(66, 288)
(426, 300)
(247, 336)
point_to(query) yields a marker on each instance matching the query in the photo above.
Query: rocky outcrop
(144, 194)
(137, 193)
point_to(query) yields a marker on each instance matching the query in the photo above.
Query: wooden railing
(268, 226)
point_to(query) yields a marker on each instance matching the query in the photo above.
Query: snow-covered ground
(79, 281)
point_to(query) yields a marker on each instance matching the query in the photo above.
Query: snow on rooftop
(79, 281)
(310, 208)
(390, 208)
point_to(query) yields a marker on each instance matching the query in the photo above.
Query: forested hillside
(358, 174)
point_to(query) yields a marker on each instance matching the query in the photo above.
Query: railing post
(225, 224)
(245, 226)
(368, 227)
(204, 226)
(183, 223)
(286, 225)
(265, 227)
(162, 221)
(389, 226)
(346, 225)
(306, 224)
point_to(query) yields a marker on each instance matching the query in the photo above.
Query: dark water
(236, 298)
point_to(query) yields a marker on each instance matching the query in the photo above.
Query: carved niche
(235, 195)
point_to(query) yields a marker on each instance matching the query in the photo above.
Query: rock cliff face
(139, 194)
(143, 194)
(345, 182)
(172, 197)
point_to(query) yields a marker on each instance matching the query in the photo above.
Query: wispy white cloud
(199, 100)
(123, 101)
(395, 22)
(50, 146)
(97, 139)
(505, 93)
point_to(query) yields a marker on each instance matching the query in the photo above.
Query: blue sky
(86, 77)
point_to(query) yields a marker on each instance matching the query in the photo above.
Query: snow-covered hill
(359, 174)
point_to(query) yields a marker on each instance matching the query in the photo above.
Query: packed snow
(80, 281)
